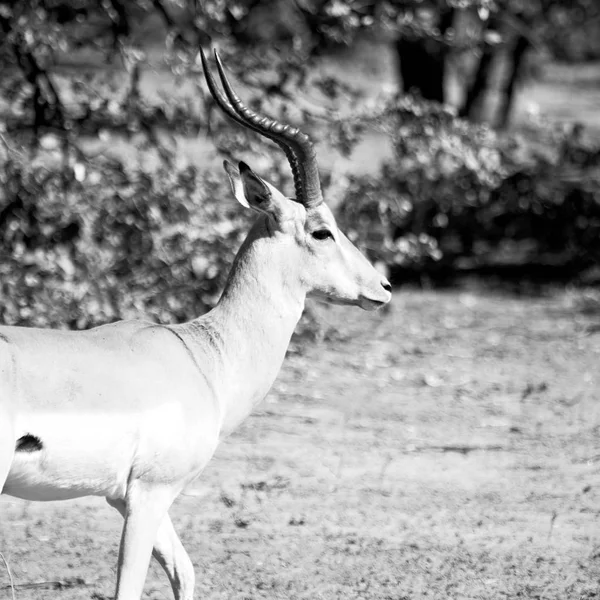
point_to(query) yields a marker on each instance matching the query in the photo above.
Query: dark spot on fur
(28, 443)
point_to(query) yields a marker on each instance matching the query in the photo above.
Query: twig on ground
(458, 449)
(10, 577)
(387, 461)
(70, 582)
(552, 520)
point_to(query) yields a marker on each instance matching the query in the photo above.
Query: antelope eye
(322, 234)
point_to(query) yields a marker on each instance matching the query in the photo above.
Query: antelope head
(324, 261)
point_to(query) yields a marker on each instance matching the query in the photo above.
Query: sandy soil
(447, 449)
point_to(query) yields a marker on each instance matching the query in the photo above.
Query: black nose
(385, 284)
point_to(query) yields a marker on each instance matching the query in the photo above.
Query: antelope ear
(252, 191)
(256, 191)
(237, 185)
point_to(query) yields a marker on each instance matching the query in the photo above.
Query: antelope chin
(370, 304)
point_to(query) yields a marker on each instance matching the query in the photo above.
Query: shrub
(86, 244)
(459, 194)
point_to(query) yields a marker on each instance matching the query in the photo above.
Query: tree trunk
(475, 98)
(423, 62)
(507, 93)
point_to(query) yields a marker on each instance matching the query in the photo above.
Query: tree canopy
(88, 237)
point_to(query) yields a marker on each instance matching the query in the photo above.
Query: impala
(133, 411)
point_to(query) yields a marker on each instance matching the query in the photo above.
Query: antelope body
(133, 411)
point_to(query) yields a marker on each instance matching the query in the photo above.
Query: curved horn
(300, 143)
(224, 105)
(297, 146)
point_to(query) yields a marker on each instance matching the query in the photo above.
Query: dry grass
(584, 300)
(447, 450)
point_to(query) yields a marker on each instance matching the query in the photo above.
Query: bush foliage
(460, 194)
(85, 245)
(87, 240)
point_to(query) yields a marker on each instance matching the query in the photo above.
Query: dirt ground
(447, 449)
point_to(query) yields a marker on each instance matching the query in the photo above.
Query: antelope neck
(240, 345)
